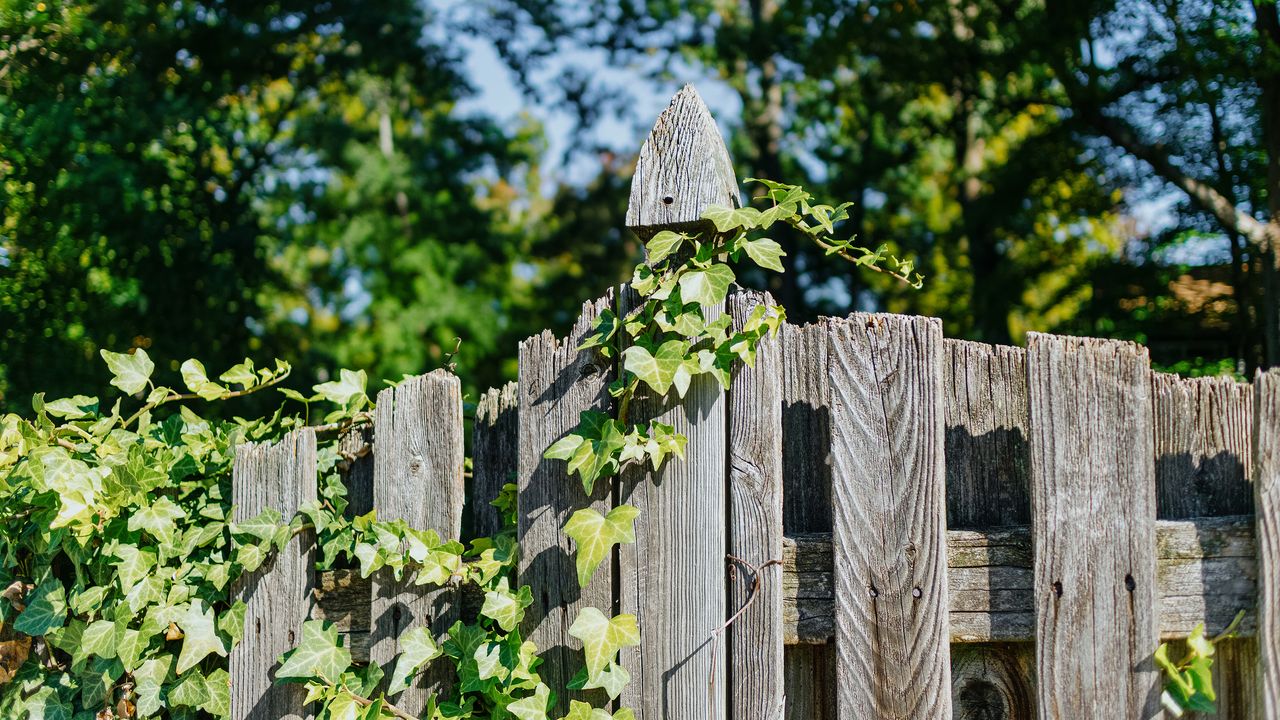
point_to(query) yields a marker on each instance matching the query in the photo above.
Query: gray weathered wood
(417, 477)
(683, 168)
(754, 643)
(1203, 445)
(806, 502)
(356, 446)
(673, 578)
(988, 479)
(892, 638)
(1093, 524)
(1266, 480)
(557, 383)
(278, 596)
(1207, 572)
(495, 456)
(993, 681)
(1203, 434)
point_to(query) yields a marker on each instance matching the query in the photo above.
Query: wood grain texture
(683, 168)
(673, 578)
(417, 477)
(1266, 482)
(754, 642)
(892, 637)
(806, 506)
(356, 446)
(278, 596)
(1093, 524)
(988, 478)
(993, 681)
(1203, 446)
(558, 382)
(495, 456)
(1206, 572)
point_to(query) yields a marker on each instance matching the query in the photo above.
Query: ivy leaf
(727, 219)
(766, 253)
(44, 704)
(505, 607)
(241, 374)
(657, 370)
(148, 681)
(417, 649)
(708, 287)
(533, 707)
(596, 534)
(193, 375)
(191, 691)
(158, 519)
(131, 371)
(602, 638)
(99, 639)
(318, 655)
(200, 637)
(579, 710)
(662, 245)
(72, 408)
(612, 680)
(46, 609)
(349, 385)
(219, 686)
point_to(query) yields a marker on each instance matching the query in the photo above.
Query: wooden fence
(966, 531)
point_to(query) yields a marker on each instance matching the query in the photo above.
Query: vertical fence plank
(1093, 527)
(356, 447)
(278, 596)
(417, 477)
(1203, 429)
(809, 669)
(892, 631)
(1203, 440)
(754, 406)
(672, 578)
(988, 484)
(494, 456)
(986, 444)
(558, 382)
(1266, 447)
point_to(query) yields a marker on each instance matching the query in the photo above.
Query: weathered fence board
(892, 639)
(806, 508)
(754, 643)
(495, 456)
(417, 477)
(1266, 448)
(1093, 524)
(1202, 442)
(277, 596)
(993, 681)
(557, 383)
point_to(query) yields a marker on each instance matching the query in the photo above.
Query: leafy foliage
(1189, 681)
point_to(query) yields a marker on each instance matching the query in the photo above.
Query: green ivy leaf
(200, 636)
(658, 369)
(533, 707)
(46, 609)
(707, 287)
(506, 607)
(349, 386)
(596, 534)
(241, 374)
(198, 382)
(318, 655)
(602, 638)
(663, 244)
(158, 519)
(417, 648)
(130, 371)
(766, 253)
(727, 219)
(612, 680)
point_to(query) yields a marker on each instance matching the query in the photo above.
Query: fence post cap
(683, 168)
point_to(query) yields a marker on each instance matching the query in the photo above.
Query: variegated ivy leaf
(656, 369)
(596, 534)
(592, 449)
(727, 219)
(602, 638)
(349, 386)
(130, 371)
(579, 710)
(318, 655)
(417, 648)
(159, 519)
(707, 287)
(199, 636)
(605, 328)
(533, 707)
(612, 680)
(663, 244)
(46, 609)
(765, 252)
(506, 607)
(198, 382)
(243, 375)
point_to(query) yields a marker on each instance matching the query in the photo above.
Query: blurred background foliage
(306, 180)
